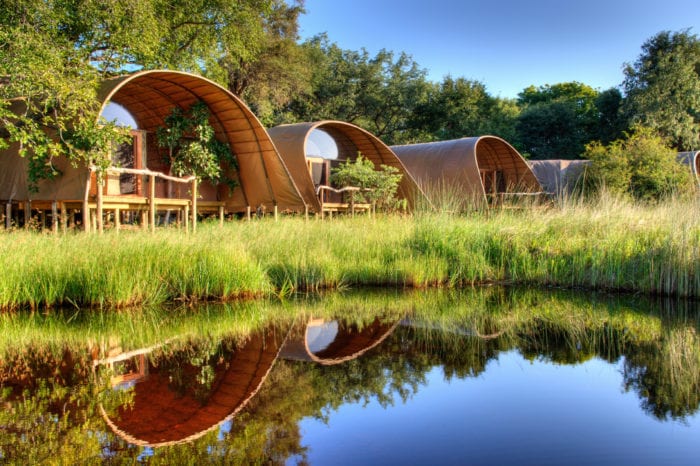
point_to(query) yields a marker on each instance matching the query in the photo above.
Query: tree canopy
(663, 87)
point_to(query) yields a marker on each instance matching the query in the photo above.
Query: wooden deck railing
(189, 205)
(351, 206)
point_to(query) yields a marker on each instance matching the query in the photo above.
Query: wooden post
(275, 212)
(64, 218)
(27, 213)
(247, 213)
(194, 205)
(117, 218)
(54, 217)
(8, 215)
(152, 202)
(144, 220)
(306, 212)
(221, 216)
(99, 211)
(187, 218)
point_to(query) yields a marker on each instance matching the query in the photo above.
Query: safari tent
(167, 410)
(149, 97)
(330, 342)
(692, 159)
(479, 169)
(559, 176)
(311, 150)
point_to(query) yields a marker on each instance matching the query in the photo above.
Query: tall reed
(610, 244)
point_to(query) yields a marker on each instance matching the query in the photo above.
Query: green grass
(608, 245)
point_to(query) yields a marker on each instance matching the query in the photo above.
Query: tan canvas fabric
(149, 96)
(264, 179)
(455, 165)
(291, 141)
(692, 159)
(559, 176)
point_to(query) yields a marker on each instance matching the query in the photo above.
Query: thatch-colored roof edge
(454, 164)
(291, 140)
(264, 177)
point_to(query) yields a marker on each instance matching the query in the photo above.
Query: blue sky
(506, 44)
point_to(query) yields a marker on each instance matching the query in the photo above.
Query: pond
(483, 376)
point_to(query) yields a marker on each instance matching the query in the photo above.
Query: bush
(641, 165)
(381, 185)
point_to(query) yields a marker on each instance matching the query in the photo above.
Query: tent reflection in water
(329, 342)
(149, 97)
(171, 406)
(312, 150)
(476, 170)
(166, 410)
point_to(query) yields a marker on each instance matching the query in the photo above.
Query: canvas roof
(559, 176)
(456, 163)
(149, 96)
(292, 139)
(691, 159)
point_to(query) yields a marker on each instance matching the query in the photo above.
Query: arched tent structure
(334, 342)
(692, 159)
(162, 414)
(150, 96)
(559, 176)
(475, 168)
(292, 142)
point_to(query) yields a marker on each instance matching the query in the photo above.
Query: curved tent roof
(150, 96)
(693, 160)
(292, 140)
(341, 342)
(456, 164)
(159, 415)
(558, 176)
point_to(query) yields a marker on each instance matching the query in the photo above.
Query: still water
(485, 376)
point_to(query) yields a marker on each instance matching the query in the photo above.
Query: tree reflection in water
(53, 398)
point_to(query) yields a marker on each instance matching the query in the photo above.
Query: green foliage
(663, 88)
(192, 146)
(557, 121)
(457, 108)
(641, 165)
(278, 72)
(378, 185)
(54, 54)
(377, 93)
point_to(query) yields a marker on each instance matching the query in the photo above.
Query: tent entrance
(130, 154)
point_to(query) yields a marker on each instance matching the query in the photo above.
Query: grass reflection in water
(384, 345)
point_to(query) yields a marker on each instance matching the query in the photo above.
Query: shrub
(381, 185)
(641, 165)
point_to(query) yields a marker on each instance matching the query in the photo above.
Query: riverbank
(610, 245)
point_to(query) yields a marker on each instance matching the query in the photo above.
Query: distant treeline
(54, 53)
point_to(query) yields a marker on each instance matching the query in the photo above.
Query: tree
(557, 120)
(279, 71)
(192, 148)
(455, 108)
(376, 93)
(663, 88)
(53, 56)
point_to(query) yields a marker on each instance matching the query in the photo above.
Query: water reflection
(182, 391)
(181, 386)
